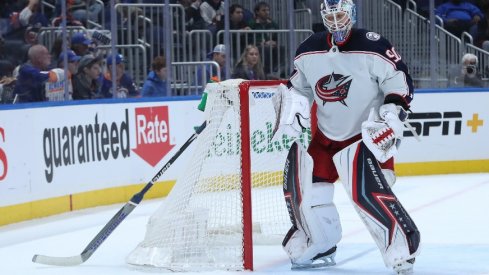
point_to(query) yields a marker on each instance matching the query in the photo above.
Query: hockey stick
(117, 218)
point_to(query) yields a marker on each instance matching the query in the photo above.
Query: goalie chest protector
(347, 80)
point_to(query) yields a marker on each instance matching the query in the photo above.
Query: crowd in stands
(23, 60)
(32, 72)
(458, 16)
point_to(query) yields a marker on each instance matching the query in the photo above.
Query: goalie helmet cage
(230, 195)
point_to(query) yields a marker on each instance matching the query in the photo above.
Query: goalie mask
(338, 17)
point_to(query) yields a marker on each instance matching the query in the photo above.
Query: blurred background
(173, 48)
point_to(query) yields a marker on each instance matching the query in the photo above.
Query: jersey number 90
(392, 54)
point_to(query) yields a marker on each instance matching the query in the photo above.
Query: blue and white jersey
(347, 80)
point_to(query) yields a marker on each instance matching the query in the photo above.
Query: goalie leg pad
(389, 224)
(316, 225)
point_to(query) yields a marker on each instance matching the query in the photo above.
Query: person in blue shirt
(459, 16)
(33, 75)
(125, 86)
(155, 84)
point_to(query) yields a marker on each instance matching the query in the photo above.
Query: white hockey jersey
(349, 79)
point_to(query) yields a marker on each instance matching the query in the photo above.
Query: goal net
(230, 195)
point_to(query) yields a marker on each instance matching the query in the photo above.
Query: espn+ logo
(450, 123)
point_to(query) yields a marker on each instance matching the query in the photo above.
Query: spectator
(83, 10)
(56, 50)
(217, 55)
(262, 21)
(469, 76)
(14, 52)
(6, 66)
(70, 20)
(236, 19)
(31, 35)
(212, 12)
(73, 60)
(7, 85)
(33, 75)
(55, 91)
(193, 20)
(9, 8)
(31, 16)
(27, 12)
(86, 84)
(125, 86)
(423, 6)
(155, 84)
(480, 31)
(80, 44)
(266, 42)
(249, 65)
(458, 16)
(236, 22)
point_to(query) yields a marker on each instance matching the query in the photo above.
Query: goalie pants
(322, 149)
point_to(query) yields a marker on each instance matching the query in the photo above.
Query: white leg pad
(321, 223)
(389, 224)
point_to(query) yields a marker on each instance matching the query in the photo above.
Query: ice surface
(451, 212)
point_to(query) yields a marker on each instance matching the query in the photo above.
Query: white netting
(199, 225)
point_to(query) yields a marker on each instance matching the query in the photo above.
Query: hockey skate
(405, 268)
(320, 260)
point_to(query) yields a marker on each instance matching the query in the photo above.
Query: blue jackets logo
(333, 88)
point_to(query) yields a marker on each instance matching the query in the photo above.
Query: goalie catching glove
(293, 112)
(382, 135)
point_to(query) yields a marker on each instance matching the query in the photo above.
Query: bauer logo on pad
(152, 134)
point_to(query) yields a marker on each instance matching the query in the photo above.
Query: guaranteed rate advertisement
(54, 151)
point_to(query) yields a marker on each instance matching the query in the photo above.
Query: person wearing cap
(86, 82)
(55, 91)
(207, 73)
(80, 44)
(125, 86)
(72, 58)
(34, 74)
(155, 84)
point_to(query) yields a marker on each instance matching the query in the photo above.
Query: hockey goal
(230, 196)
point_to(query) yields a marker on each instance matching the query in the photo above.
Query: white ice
(451, 212)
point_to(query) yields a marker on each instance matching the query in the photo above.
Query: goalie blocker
(390, 225)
